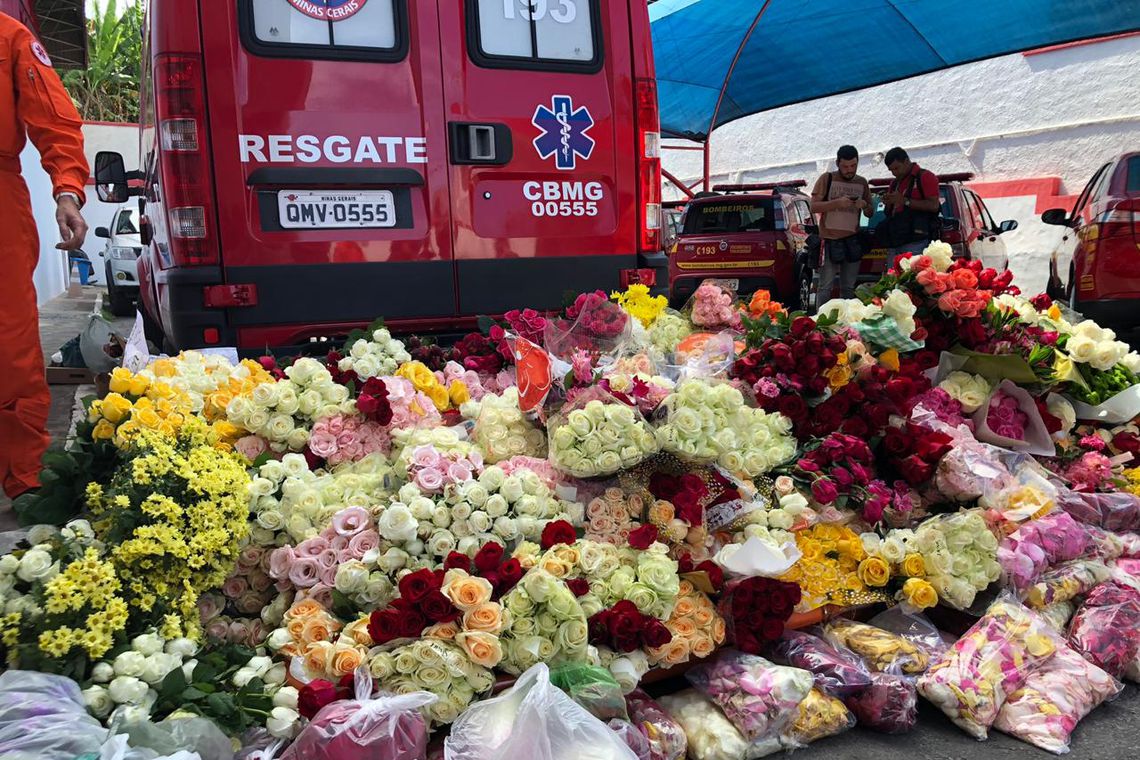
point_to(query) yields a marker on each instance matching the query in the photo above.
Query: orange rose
(702, 645)
(445, 631)
(683, 628)
(346, 659)
(295, 628)
(304, 608)
(676, 652)
(718, 630)
(684, 607)
(466, 592)
(686, 590)
(481, 648)
(486, 618)
(318, 656)
(316, 629)
(357, 632)
(702, 617)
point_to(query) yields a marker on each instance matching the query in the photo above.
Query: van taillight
(648, 165)
(185, 157)
(1120, 220)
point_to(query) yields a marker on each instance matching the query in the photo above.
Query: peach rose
(357, 632)
(465, 591)
(481, 648)
(318, 656)
(295, 627)
(304, 609)
(444, 631)
(718, 630)
(346, 659)
(683, 628)
(556, 566)
(568, 554)
(485, 618)
(685, 606)
(317, 629)
(675, 652)
(702, 645)
(702, 616)
(686, 590)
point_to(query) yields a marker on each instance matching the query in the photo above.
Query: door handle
(479, 143)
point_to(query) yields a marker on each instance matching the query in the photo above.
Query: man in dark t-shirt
(913, 188)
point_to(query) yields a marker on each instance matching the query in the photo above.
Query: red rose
(755, 620)
(643, 537)
(772, 629)
(1129, 442)
(747, 642)
(438, 608)
(685, 564)
(801, 326)
(656, 634)
(457, 561)
(817, 385)
(511, 572)
(314, 695)
(792, 407)
(779, 606)
(932, 446)
(714, 573)
(558, 532)
(896, 442)
(914, 470)
(580, 586)
(385, 625)
(625, 629)
(489, 557)
(824, 491)
(415, 586)
(900, 389)
(412, 624)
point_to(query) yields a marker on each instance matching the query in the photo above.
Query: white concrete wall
(1058, 113)
(51, 276)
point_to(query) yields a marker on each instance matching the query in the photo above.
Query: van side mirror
(111, 177)
(1058, 216)
(951, 224)
(1009, 225)
(102, 232)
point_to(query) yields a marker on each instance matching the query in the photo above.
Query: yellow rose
(164, 368)
(481, 648)
(466, 592)
(556, 566)
(115, 408)
(103, 431)
(346, 659)
(890, 359)
(485, 618)
(438, 395)
(148, 418)
(138, 385)
(874, 572)
(568, 554)
(458, 393)
(121, 380)
(919, 593)
(914, 566)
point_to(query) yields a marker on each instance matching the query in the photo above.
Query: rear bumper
(184, 315)
(1114, 312)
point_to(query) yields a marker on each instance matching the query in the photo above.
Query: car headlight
(124, 253)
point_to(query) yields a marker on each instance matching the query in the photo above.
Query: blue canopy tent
(720, 60)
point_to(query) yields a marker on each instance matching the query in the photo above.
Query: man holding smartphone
(912, 203)
(838, 198)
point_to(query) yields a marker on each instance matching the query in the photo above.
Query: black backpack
(910, 226)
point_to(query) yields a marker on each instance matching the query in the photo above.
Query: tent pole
(706, 152)
(727, 77)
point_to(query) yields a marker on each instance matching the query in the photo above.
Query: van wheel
(804, 297)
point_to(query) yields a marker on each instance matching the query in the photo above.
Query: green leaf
(221, 705)
(205, 688)
(485, 324)
(192, 694)
(262, 459)
(173, 685)
(343, 606)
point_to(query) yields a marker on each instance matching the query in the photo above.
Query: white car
(121, 254)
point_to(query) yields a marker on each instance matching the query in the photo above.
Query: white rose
(278, 639)
(158, 665)
(259, 665)
(308, 402)
(127, 690)
(257, 420)
(1081, 348)
(147, 644)
(243, 676)
(36, 565)
(1106, 356)
(396, 523)
(103, 672)
(393, 560)
(282, 722)
(352, 577)
(286, 696)
(130, 663)
(480, 522)
(287, 401)
(275, 675)
(1131, 362)
(506, 528)
(98, 701)
(780, 519)
(295, 466)
(9, 564)
(41, 534)
(496, 505)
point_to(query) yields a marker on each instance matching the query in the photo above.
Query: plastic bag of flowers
(912, 625)
(596, 434)
(1037, 545)
(838, 672)
(667, 739)
(884, 652)
(669, 329)
(818, 717)
(703, 354)
(634, 739)
(1066, 581)
(532, 720)
(760, 698)
(1117, 511)
(1106, 628)
(43, 717)
(989, 663)
(593, 324)
(711, 736)
(755, 610)
(502, 431)
(385, 727)
(1053, 699)
(593, 687)
(888, 705)
(714, 306)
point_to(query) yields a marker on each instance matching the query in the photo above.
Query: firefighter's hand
(72, 228)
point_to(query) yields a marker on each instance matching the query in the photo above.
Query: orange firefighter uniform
(33, 103)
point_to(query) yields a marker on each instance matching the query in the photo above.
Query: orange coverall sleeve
(46, 110)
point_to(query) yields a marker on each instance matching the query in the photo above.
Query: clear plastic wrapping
(43, 717)
(1106, 628)
(884, 652)
(888, 705)
(1066, 581)
(819, 716)
(1039, 544)
(838, 672)
(1116, 511)
(711, 736)
(596, 435)
(667, 739)
(594, 688)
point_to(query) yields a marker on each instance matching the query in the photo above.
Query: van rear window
(536, 31)
(730, 217)
(323, 28)
(1133, 185)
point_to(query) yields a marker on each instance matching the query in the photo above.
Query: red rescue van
(308, 165)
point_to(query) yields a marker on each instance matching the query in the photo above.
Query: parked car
(967, 226)
(121, 255)
(672, 213)
(753, 235)
(428, 162)
(1098, 272)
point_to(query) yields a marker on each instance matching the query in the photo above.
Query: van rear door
(540, 115)
(329, 156)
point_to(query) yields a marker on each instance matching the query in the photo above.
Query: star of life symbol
(564, 131)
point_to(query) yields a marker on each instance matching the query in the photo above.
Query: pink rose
(322, 444)
(328, 575)
(250, 557)
(238, 632)
(280, 560)
(304, 572)
(349, 522)
(335, 425)
(312, 547)
(257, 632)
(459, 472)
(363, 542)
(259, 581)
(476, 459)
(339, 543)
(209, 607)
(264, 563)
(429, 480)
(234, 587)
(218, 629)
(250, 603)
(327, 559)
(251, 447)
(321, 594)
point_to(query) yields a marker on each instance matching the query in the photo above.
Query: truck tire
(120, 303)
(804, 297)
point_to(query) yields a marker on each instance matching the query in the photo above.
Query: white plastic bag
(532, 720)
(43, 717)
